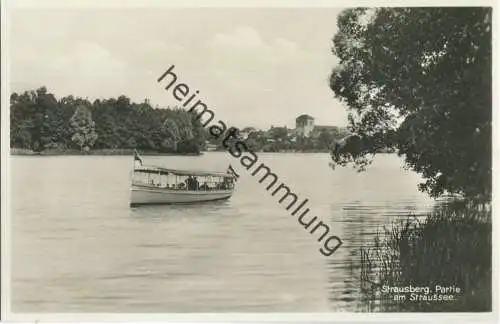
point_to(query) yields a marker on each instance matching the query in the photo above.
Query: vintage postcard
(248, 161)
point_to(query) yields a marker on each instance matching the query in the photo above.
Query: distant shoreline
(281, 151)
(102, 152)
(110, 152)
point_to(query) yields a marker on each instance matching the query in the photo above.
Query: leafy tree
(173, 132)
(21, 125)
(278, 133)
(83, 126)
(325, 139)
(305, 143)
(419, 80)
(36, 122)
(184, 124)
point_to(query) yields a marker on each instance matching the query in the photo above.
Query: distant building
(247, 131)
(304, 125)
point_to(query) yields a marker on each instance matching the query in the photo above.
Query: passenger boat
(158, 185)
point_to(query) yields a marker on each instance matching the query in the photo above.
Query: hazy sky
(253, 67)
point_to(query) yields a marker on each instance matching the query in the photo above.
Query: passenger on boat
(227, 183)
(189, 183)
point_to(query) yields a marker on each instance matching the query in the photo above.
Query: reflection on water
(78, 247)
(360, 227)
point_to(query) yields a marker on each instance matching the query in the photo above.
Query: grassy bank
(450, 247)
(15, 151)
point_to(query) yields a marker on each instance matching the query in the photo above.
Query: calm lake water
(77, 246)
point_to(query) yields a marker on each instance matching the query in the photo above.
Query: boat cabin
(155, 177)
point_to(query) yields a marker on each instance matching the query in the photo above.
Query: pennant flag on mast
(137, 157)
(230, 170)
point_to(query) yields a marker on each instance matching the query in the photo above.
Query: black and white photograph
(254, 159)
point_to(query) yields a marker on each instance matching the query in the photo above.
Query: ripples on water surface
(77, 246)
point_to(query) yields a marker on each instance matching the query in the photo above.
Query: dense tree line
(419, 80)
(39, 121)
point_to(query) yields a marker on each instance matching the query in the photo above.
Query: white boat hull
(143, 195)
